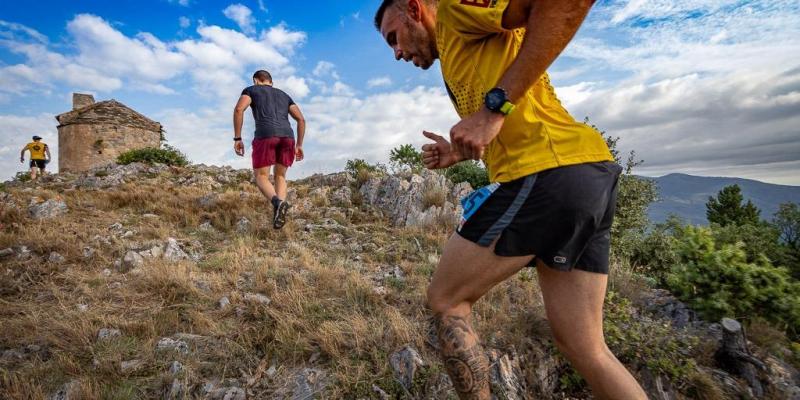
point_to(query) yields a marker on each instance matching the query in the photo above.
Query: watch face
(495, 99)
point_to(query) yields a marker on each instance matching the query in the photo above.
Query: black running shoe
(280, 215)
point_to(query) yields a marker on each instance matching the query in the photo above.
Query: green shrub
(354, 166)
(468, 171)
(24, 176)
(151, 155)
(363, 171)
(406, 158)
(718, 281)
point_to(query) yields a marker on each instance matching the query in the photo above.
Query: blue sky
(702, 87)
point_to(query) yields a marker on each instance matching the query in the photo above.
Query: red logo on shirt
(478, 3)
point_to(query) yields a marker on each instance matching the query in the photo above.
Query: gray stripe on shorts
(502, 223)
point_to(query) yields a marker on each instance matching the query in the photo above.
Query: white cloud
(282, 38)
(242, 16)
(261, 6)
(11, 30)
(184, 3)
(184, 22)
(326, 69)
(379, 82)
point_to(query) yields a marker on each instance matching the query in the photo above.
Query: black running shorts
(41, 164)
(562, 216)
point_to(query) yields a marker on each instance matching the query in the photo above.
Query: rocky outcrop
(419, 200)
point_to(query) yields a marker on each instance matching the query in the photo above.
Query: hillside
(686, 196)
(142, 282)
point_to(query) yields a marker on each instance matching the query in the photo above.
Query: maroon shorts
(271, 151)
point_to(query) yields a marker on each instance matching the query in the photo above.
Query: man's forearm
(301, 131)
(550, 27)
(238, 119)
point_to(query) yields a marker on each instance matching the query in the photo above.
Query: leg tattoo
(463, 357)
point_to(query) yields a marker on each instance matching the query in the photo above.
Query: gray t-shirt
(270, 108)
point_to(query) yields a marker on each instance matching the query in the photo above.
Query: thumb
(432, 136)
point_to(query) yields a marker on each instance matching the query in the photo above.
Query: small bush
(468, 171)
(355, 165)
(362, 171)
(24, 176)
(166, 155)
(406, 158)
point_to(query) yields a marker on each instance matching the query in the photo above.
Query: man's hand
(238, 147)
(472, 134)
(22, 159)
(298, 153)
(438, 154)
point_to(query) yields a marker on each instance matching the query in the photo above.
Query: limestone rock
(405, 363)
(47, 209)
(309, 383)
(243, 225)
(131, 260)
(257, 298)
(175, 367)
(6, 252)
(169, 344)
(224, 303)
(56, 258)
(129, 366)
(108, 333)
(406, 201)
(173, 251)
(506, 375)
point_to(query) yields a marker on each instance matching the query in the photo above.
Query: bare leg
(34, 172)
(465, 273)
(262, 181)
(574, 304)
(280, 180)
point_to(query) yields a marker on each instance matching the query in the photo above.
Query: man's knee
(577, 347)
(441, 303)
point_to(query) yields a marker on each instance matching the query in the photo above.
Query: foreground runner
(274, 142)
(552, 201)
(40, 156)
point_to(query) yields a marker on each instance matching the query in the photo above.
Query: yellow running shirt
(475, 50)
(37, 150)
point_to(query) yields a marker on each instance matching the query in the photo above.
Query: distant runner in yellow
(40, 156)
(554, 181)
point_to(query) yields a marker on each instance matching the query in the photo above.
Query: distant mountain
(686, 196)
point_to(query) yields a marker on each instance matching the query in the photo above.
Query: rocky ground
(160, 282)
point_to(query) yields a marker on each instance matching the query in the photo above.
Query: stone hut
(94, 134)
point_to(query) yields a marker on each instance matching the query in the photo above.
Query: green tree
(727, 208)
(405, 158)
(787, 223)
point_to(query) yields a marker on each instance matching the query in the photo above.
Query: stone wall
(85, 146)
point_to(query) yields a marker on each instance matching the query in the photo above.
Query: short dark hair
(381, 10)
(262, 76)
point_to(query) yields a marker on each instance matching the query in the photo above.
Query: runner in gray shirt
(274, 143)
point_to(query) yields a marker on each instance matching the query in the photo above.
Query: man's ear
(414, 10)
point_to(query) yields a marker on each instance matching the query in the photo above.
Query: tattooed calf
(463, 357)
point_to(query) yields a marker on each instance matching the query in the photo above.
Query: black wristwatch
(237, 139)
(496, 100)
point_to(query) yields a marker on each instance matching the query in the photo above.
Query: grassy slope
(324, 310)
